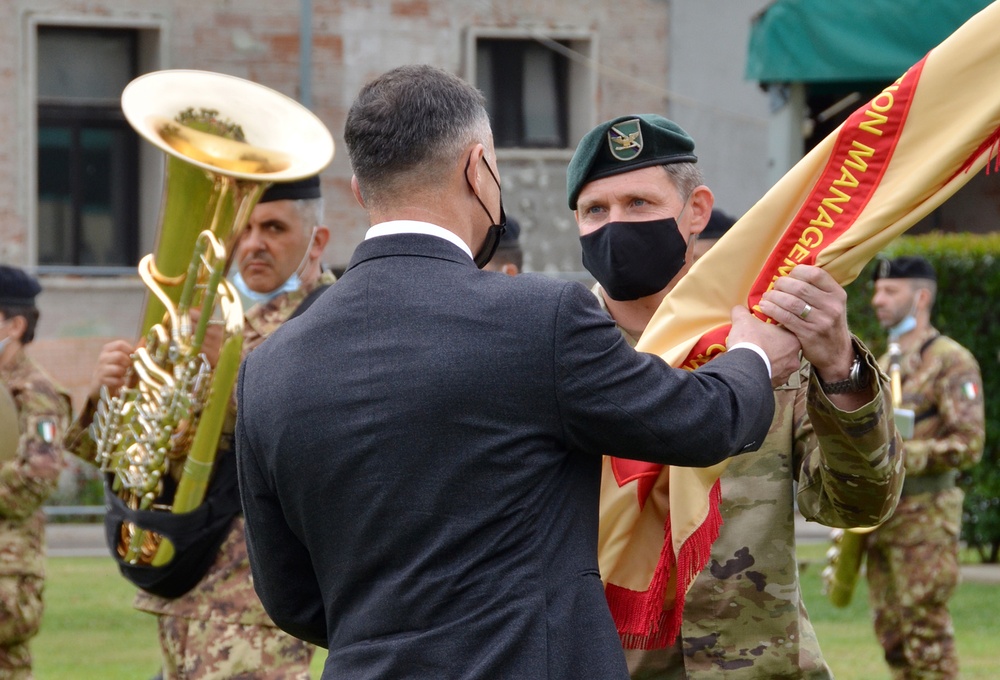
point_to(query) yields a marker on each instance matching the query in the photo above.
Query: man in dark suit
(420, 453)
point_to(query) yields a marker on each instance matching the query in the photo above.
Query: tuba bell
(226, 140)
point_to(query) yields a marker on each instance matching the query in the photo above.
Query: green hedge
(966, 310)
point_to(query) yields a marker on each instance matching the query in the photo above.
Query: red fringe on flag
(990, 144)
(642, 621)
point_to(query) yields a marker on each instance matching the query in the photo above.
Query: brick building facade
(56, 66)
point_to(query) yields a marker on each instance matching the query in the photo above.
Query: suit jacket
(420, 460)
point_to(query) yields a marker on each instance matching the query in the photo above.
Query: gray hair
(407, 126)
(310, 212)
(685, 176)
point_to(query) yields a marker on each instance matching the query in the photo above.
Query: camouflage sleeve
(78, 440)
(960, 435)
(850, 471)
(28, 479)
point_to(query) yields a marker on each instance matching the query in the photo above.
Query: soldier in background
(718, 224)
(640, 204)
(27, 479)
(508, 257)
(219, 629)
(913, 558)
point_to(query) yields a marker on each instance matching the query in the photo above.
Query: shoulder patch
(970, 390)
(45, 428)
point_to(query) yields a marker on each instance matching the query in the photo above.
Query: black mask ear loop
(692, 239)
(496, 229)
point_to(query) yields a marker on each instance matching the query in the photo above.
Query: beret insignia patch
(883, 269)
(625, 139)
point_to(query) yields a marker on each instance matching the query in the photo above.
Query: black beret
(510, 234)
(905, 267)
(17, 288)
(718, 224)
(624, 144)
(293, 191)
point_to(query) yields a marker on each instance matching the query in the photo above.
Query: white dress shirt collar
(414, 227)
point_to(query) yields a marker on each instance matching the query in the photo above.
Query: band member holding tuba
(219, 626)
(29, 475)
(640, 202)
(913, 557)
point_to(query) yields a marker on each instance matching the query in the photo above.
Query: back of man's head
(408, 126)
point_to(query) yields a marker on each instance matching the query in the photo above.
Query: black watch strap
(856, 380)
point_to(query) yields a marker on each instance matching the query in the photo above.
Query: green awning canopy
(816, 41)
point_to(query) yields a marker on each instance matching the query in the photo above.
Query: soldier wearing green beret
(28, 478)
(913, 558)
(640, 203)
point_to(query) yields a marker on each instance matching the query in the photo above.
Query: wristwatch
(856, 380)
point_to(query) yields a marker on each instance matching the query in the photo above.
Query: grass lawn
(91, 632)
(848, 640)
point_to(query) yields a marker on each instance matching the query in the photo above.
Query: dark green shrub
(966, 310)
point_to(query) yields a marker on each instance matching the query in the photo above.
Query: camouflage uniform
(219, 629)
(744, 616)
(25, 483)
(913, 557)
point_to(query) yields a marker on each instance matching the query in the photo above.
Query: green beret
(624, 144)
(17, 287)
(905, 267)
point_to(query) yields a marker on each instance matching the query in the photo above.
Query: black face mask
(634, 259)
(496, 229)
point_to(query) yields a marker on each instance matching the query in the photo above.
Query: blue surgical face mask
(908, 323)
(249, 297)
(5, 341)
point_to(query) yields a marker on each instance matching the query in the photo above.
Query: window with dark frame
(526, 85)
(87, 154)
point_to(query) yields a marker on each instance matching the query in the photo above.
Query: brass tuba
(847, 554)
(226, 140)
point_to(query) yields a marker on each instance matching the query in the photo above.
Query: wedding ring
(805, 311)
